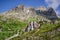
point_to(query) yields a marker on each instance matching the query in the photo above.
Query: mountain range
(24, 13)
(28, 23)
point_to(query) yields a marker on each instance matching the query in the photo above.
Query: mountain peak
(24, 13)
(41, 8)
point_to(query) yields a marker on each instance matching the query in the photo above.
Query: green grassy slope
(10, 26)
(44, 32)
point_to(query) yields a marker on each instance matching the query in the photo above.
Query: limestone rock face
(41, 8)
(31, 26)
(24, 13)
(19, 8)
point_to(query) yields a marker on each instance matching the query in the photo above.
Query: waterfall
(32, 25)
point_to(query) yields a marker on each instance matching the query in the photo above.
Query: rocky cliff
(21, 12)
(28, 23)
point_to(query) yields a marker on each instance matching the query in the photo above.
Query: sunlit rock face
(41, 8)
(32, 26)
(22, 12)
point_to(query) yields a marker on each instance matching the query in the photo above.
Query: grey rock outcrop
(48, 13)
(23, 13)
(32, 25)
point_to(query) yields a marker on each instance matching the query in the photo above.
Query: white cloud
(58, 12)
(53, 3)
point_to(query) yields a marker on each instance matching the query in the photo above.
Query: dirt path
(12, 37)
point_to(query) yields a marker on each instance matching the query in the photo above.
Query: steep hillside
(43, 33)
(28, 23)
(23, 13)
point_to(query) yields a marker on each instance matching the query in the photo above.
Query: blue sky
(9, 4)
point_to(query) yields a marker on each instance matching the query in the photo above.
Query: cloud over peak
(54, 4)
